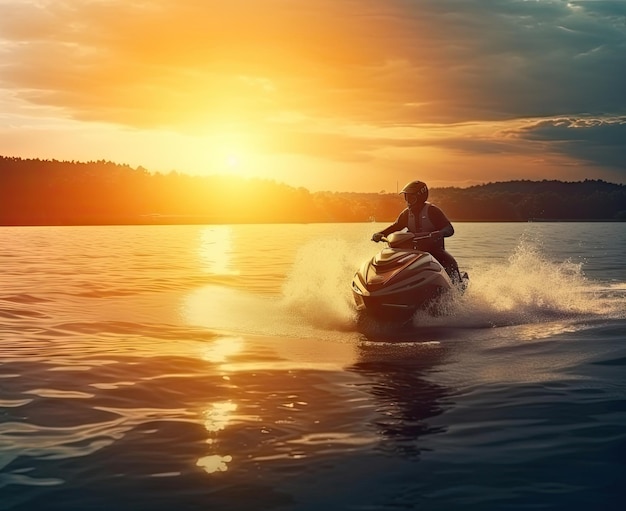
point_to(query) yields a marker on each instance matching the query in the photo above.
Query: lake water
(221, 367)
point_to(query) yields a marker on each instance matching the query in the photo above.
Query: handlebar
(414, 239)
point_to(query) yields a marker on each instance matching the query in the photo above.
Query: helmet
(416, 188)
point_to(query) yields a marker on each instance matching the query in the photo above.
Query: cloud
(394, 62)
(599, 141)
(191, 64)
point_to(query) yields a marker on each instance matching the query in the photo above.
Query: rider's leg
(449, 263)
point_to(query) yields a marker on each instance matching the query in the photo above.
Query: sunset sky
(342, 95)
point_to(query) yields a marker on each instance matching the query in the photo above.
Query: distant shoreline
(206, 221)
(34, 192)
(557, 220)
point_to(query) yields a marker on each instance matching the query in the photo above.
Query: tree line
(51, 192)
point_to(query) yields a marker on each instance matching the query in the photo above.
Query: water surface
(221, 367)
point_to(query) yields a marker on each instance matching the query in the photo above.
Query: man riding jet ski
(426, 221)
(414, 270)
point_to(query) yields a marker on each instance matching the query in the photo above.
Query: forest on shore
(51, 192)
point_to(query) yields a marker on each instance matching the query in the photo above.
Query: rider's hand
(377, 236)
(435, 235)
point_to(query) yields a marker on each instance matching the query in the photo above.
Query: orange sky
(342, 95)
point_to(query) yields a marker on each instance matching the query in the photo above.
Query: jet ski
(401, 279)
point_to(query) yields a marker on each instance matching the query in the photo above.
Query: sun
(227, 150)
(245, 153)
(221, 153)
(233, 161)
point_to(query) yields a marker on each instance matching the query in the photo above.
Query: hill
(51, 192)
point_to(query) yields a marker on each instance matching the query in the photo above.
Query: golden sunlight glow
(231, 156)
(312, 95)
(233, 161)
(227, 152)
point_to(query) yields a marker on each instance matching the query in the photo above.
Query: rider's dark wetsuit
(426, 217)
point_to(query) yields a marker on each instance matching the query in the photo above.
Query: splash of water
(526, 289)
(316, 299)
(318, 286)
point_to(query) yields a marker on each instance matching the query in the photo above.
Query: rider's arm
(400, 223)
(441, 222)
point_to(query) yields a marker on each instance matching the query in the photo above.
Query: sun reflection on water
(216, 249)
(214, 463)
(217, 416)
(222, 348)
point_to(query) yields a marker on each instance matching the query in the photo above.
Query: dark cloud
(598, 141)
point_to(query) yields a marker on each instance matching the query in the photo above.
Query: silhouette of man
(424, 219)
